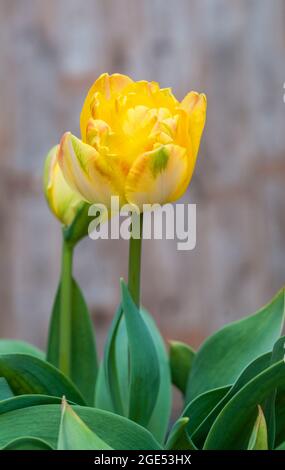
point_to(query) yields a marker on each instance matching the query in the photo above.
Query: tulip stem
(65, 309)
(135, 249)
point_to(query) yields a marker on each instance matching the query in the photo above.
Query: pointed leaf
(178, 438)
(83, 354)
(144, 363)
(74, 434)
(258, 438)
(158, 424)
(223, 356)
(43, 422)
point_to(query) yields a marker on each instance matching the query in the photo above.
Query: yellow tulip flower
(62, 200)
(138, 142)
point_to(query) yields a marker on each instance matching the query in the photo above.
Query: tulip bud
(64, 203)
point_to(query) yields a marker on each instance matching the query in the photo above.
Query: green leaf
(200, 408)
(280, 417)
(27, 443)
(159, 421)
(223, 356)
(119, 372)
(74, 434)
(27, 374)
(199, 434)
(110, 373)
(281, 446)
(83, 355)
(178, 438)
(43, 422)
(181, 358)
(8, 346)
(144, 363)
(270, 405)
(25, 401)
(258, 438)
(5, 390)
(239, 414)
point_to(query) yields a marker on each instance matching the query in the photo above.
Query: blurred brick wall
(50, 52)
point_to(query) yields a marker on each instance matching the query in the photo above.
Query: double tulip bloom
(137, 142)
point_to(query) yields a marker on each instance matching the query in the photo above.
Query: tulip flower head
(138, 142)
(62, 200)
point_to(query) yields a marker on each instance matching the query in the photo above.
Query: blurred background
(50, 53)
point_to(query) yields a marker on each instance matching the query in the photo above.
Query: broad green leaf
(181, 358)
(258, 365)
(158, 424)
(83, 355)
(43, 422)
(144, 363)
(122, 364)
(5, 390)
(159, 421)
(8, 346)
(258, 438)
(200, 408)
(26, 401)
(223, 356)
(27, 443)
(74, 434)
(27, 374)
(110, 372)
(270, 404)
(239, 414)
(280, 417)
(117, 359)
(178, 438)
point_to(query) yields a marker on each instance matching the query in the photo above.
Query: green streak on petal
(159, 161)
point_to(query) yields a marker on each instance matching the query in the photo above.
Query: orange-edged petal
(92, 175)
(108, 86)
(159, 176)
(195, 105)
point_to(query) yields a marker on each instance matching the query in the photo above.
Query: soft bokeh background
(50, 53)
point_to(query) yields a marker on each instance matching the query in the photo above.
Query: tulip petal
(159, 176)
(108, 86)
(143, 93)
(195, 105)
(91, 174)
